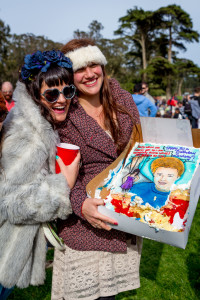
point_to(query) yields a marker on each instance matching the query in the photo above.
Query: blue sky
(57, 20)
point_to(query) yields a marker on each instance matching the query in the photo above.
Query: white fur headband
(83, 56)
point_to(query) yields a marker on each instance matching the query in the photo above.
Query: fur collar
(26, 116)
(30, 112)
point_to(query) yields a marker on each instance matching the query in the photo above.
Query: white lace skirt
(89, 275)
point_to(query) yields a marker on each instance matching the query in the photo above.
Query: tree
(95, 28)
(114, 51)
(177, 26)
(4, 44)
(158, 72)
(138, 26)
(80, 34)
(184, 68)
(23, 44)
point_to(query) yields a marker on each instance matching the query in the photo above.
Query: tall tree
(94, 32)
(80, 34)
(158, 71)
(138, 26)
(177, 26)
(23, 44)
(114, 51)
(4, 44)
(95, 29)
(184, 68)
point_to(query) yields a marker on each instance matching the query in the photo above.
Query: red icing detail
(151, 221)
(179, 206)
(119, 208)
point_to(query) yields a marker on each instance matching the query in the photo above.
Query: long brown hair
(110, 107)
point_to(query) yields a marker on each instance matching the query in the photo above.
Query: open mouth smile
(59, 109)
(91, 82)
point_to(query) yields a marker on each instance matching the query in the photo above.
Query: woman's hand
(71, 171)
(96, 219)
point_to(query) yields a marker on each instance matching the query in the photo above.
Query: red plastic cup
(67, 152)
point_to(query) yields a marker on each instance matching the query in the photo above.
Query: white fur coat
(30, 192)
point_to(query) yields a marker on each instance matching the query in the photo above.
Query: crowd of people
(66, 96)
(188, 107)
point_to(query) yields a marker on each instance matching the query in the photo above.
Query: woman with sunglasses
(30, 191)
(98, 262)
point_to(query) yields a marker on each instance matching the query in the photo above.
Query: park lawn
(167, 273)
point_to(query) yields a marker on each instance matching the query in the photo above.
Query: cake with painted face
(161, 199)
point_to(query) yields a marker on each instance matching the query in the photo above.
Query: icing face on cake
(161, 195)
(164, 178)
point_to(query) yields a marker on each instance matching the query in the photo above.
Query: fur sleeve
(28, 193)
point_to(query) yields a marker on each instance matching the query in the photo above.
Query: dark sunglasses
(52, 95)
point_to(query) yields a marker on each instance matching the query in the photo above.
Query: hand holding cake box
(152, 186)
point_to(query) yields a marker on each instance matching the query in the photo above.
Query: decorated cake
(152, 185)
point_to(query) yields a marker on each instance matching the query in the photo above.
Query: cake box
(152, 189)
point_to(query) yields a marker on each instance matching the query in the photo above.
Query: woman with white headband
(98, 262)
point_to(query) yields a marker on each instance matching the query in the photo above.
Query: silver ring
(80, 164)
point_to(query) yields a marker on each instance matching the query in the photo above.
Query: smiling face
(164, 178)
(58, 109)
(89, 80)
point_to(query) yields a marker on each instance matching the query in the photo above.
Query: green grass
(167, 273)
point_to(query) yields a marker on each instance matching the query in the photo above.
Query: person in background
(195, 106)
(145, 107)
(172, 103)
(158, 100)
(99, 262)
(145, 92)
(177, 114)
(158, 114)
(186, 98)
(7, 90)
(167, 115)
(162, 108)
(30, 191)
(182, 110)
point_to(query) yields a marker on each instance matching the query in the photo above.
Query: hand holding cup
(68, 162)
